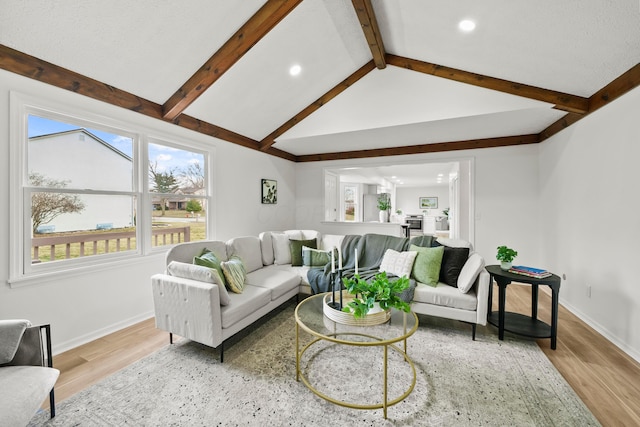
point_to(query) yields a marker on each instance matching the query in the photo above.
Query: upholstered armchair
(26, 371)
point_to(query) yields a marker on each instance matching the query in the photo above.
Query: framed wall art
(428, 202)
(269, 191)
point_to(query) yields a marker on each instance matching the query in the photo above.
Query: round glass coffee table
(310, 318)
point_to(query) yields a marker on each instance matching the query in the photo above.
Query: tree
(193, 206)
(47, 206)
(193, 176)
(162, 182)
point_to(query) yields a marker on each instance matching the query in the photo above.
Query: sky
(167, 158)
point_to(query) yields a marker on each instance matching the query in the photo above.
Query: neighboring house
(181, 203)
(71, 156)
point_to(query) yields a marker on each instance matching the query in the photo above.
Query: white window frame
(21, 271)
(357, 216)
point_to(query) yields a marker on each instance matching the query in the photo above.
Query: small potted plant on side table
(506, 256)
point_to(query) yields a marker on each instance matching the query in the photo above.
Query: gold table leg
(385, 402)
(297, 352)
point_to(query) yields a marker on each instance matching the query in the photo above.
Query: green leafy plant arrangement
(506, 254)
(384, 204)
(379, 290)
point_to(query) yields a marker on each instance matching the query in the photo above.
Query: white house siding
(86, 163)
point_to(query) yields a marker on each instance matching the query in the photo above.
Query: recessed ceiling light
(467, 25)
(295, 70)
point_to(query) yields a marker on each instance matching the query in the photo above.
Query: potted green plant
(384, 204)
(377, 291)
(505, 256)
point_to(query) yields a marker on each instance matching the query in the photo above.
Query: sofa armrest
(188, 308)
(482, 292)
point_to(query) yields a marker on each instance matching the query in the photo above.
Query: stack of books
(529, 271)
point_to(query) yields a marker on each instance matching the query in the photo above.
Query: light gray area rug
(460, 382)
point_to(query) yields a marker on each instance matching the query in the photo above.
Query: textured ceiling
(150, 48)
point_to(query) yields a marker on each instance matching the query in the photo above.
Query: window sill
(72, 271)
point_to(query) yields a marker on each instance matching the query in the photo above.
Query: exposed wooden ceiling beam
(424, 148)
(627, 81)
(263, 21)
(37, 69)
(46, 72)
(562, 101)
(561, 124)
(369, 24)
(623, 84)
(269, 140)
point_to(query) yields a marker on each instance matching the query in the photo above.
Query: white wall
(85, 306)
(407, 199)
(589, 185)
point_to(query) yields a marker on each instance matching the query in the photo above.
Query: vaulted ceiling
(377, 77)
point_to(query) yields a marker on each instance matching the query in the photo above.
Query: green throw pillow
(296, 250)
(426, 267)
(315, 257)
(209, 259)
(235, 274)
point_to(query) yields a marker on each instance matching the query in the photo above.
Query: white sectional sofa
(197, 308)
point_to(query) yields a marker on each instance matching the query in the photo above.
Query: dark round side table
(519, 323)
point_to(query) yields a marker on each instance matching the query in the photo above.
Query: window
(178, 194)
(83, 194)
(350, 211)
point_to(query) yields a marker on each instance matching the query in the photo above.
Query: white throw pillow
(398, 263)
(281, 248)
(469, 272)
(201, 274)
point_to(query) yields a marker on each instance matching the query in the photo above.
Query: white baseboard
(602, 331)
(83, 339)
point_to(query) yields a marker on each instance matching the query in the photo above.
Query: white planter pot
(384, 216)
(505, 265)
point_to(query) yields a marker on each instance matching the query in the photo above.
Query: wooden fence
(100, 243)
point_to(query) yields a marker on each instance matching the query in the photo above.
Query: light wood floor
(605, 378)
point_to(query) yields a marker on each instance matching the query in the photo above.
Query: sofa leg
(170, 338)
(473, 331)
(222, 353)
(52, 404)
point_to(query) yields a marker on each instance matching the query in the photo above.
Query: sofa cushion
(248, 249)
(303, 234)
(295, 247)
(426, 268)
(315, 257)
(300, 271)
(23, 389)
(398, 263)
(445, 295)
(201, 274)
(470, 272)
(452, 262)
(242, 305)
(281, 248)
(184, 252)
(210, 260)
(330, 241)
(266, 246)
(235, 273)
(278, 281)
